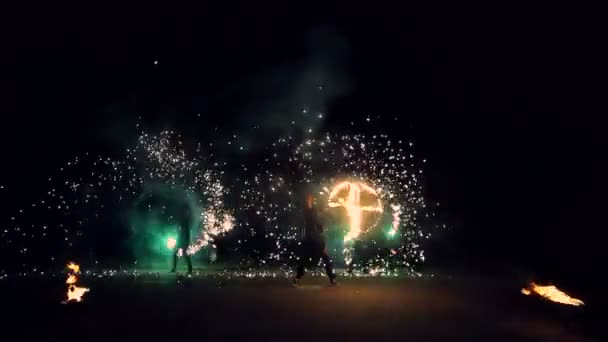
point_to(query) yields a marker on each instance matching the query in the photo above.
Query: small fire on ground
(75, 292)
(551, 293)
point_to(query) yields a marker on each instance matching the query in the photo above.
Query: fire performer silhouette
(313, 244)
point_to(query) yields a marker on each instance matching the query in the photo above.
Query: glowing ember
(171, 242)
(352, 204)
(552, 293)
(75, 293)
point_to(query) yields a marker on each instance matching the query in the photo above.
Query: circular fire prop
(354, 198)
(350, 195)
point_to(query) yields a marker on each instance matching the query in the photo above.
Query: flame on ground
(75, 293)
(74, 267)
(72, 279)
(552, 293)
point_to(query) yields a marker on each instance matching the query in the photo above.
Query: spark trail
(90, 192)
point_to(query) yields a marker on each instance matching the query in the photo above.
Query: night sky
(497, 99)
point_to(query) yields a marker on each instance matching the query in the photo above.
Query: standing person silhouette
(313, 244)
(183, 238)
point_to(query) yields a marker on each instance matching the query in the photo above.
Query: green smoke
(155, 217)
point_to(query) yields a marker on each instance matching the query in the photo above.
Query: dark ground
(222, 307)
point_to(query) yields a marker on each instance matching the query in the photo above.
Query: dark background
(499, 100)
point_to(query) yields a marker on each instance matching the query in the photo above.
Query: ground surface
(228, 306)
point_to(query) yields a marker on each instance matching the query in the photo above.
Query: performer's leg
(300, 269)
(329, 267)
(189, 261)
(174, 263)
(304, 256)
